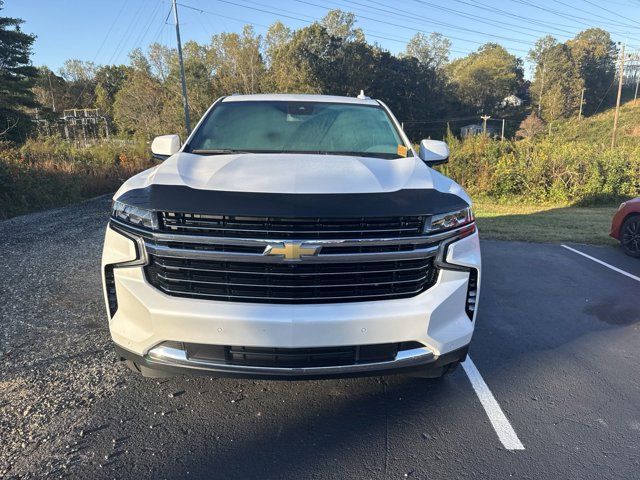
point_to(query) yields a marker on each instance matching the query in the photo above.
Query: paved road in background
(556, 342)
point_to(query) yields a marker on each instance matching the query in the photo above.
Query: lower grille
(291, 282)
(296, 357)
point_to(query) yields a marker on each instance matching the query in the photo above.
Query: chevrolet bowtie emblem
(291, 250)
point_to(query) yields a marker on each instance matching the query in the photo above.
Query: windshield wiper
(217, 151)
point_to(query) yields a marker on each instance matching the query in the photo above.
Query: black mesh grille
(297, 357)
(286, 228)
(291, 282)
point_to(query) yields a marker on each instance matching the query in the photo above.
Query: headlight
(622, 205)
(139, 217)
(447, 221)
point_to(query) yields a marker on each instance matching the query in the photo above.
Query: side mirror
(164, 146)
(433, 152)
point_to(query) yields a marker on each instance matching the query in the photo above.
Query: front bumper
(146, 317)
(175, 361)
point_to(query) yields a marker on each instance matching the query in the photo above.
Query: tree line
(422, 85)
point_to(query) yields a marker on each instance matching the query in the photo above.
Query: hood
(289, 185)
(287, 173)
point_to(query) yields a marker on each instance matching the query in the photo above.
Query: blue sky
(104, 31)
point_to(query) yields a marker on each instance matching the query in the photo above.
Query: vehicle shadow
(326, 429)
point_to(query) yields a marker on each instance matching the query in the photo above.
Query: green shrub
(545, 170)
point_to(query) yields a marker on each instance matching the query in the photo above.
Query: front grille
(223, 258)
(291, 282)
(287, 228)
(296, 357)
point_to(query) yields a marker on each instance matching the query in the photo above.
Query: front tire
(630, 236)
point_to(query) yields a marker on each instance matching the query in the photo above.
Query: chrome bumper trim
(175, 357)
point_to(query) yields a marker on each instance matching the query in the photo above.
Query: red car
(626, 227)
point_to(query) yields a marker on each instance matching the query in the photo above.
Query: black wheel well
(628, 216)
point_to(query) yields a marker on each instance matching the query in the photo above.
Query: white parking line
(615, 269)
(501, 425)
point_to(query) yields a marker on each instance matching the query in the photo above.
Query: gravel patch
(57, 359)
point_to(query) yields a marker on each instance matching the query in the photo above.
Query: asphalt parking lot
(556, 346)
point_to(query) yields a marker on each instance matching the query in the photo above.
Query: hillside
(597, 128)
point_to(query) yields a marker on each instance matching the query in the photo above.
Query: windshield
(298, 127)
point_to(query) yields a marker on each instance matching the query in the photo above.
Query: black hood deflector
(178, 198)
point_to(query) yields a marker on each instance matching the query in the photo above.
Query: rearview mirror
(433, 152)
(164, 146)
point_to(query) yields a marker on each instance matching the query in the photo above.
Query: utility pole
(581, 103)
(544, 69)
(53, 99)
(617, 114)
(503, 129)
(185, 103)
(484, 124)
(635, 96)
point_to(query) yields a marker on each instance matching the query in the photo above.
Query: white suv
(292, 236)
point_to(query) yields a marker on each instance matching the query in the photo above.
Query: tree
(277, 36)
(594, 54)
(79, 76)
(432, 51)
(138, 106)
(542, 45)
(295, 65)
(50, 91)
(109, 80)
(562, 83)
(485, 77)
(17, 77)
(236, 62)
(530, 127)
(341, 25)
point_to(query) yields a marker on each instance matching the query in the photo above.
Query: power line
(403, 26)
(124, 38)
(589, 22)
(162, 25)
(492, 9)
(446, 24)
(99, 50)
(488, 21)
(367, 32)
(545, 23)
(143, 31)
(601, 17)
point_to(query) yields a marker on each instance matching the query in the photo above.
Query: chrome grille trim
(164, 251)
